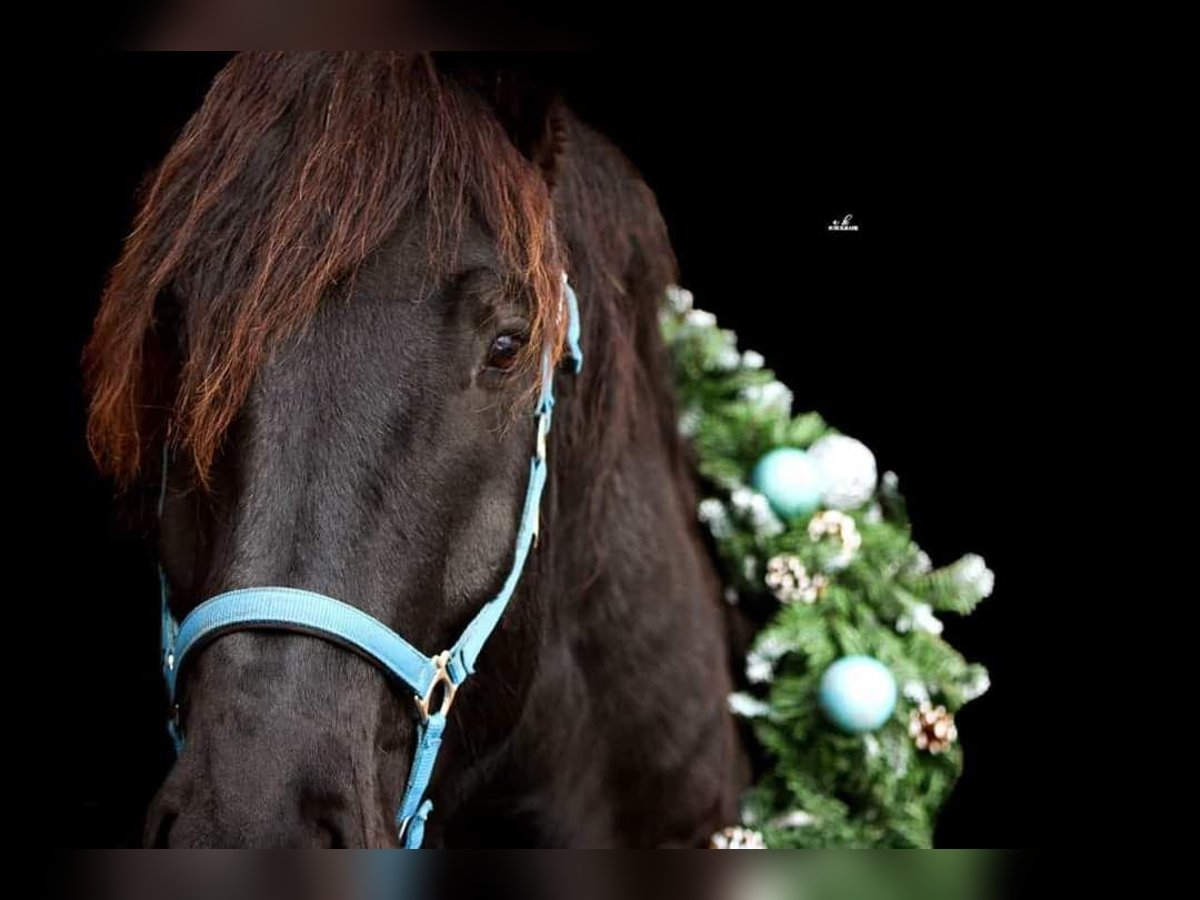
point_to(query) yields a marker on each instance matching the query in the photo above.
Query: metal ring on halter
(402, 830)
(440, 676)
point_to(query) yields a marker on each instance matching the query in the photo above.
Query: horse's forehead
(406, 262)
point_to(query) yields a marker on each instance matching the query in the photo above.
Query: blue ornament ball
(858, 694)
(790, 480)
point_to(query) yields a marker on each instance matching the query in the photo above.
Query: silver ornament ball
(847, 470)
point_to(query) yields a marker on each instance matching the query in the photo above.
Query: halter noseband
(305, 612)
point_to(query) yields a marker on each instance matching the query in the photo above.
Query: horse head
(334, 314)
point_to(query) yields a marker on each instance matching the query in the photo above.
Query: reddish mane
(293, 171)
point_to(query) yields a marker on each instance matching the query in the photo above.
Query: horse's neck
(624, 737)
(635, 658)
(630, 533)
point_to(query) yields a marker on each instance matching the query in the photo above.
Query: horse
(328, 318)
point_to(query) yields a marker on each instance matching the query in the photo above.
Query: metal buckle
(440, 676)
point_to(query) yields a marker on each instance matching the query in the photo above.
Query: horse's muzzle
(278, 763)
(235, 797)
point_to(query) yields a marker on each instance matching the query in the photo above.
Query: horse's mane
(294, 170)
(621, 261)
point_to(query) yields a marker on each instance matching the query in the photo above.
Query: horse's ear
(529, 108)
(533, 114)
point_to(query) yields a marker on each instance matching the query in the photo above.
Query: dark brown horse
(330, 311)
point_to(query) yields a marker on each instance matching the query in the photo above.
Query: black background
(904, 334)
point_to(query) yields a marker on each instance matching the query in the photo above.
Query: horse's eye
(504, 351)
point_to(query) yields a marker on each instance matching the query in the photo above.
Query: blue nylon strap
(291, 609)
(414, 809)
(169, 628)
(574, 327)
(304, 611)
(466, 650)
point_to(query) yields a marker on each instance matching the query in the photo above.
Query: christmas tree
(850, 689)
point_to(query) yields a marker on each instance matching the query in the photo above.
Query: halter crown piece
(305, 612)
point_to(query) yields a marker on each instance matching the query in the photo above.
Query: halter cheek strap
(306, 612)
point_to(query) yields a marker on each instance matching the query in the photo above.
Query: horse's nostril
(162, 832)
(332, 835)
(328, 819)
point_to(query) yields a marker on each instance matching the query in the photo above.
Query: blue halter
(289, 609)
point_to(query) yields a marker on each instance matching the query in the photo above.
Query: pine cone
(932, 728)
(790, 582)
(736, 838)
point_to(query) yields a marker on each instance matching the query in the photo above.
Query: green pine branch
(825, 788)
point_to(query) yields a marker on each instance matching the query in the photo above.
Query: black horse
(330, 313)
